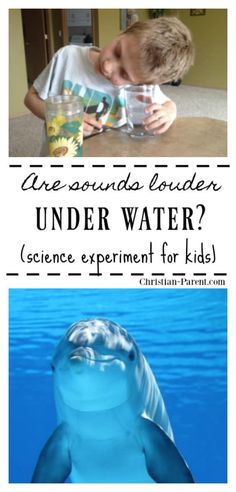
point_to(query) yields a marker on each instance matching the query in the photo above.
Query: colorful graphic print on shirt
(98, 105)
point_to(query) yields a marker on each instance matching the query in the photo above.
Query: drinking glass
(137, 98)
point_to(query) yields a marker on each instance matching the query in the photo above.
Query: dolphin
(113, 426)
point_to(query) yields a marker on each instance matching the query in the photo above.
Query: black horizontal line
(95, 274)
(179, 274)
(116, 274)
(119, 165)
(199, 274)
(36, 165)
(98, 165)
(77, 165)
(74, 274)
(181, 165)
(140, 165)
(56, 165)
(158, 274)
(223, 165)
(12, 274)
(203, 165)
(136, 274)
(221, 274)
(50, 274)
(161, 165)
(29, 274)
(15, 165)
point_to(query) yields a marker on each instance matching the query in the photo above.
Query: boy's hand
(161, 117)
(89, 125)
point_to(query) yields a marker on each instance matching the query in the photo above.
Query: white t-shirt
(71, 72)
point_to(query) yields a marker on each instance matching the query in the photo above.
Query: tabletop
(187, 137)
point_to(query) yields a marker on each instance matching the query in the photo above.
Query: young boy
(150, 52)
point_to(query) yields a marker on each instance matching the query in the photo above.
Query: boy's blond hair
(165, 47)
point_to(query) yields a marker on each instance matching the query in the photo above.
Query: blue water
(182, 333)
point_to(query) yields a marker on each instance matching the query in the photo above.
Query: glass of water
(137, 98)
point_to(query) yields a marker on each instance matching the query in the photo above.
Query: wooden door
(35, 41)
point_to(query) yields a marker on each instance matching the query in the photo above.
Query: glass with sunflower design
(64, 123)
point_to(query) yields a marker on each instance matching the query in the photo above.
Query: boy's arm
(163, 460)
(34, 103)
(37, 106)
(54, 463)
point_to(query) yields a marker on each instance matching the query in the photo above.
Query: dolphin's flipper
(54, 464)
(164, 462)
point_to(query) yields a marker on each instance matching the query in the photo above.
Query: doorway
(46, 30)
(79, 26)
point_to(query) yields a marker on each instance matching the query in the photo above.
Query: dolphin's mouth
(99, 358)
(86, 353)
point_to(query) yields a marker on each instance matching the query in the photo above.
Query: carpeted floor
(25, 135)
(25, 131)
(198, 101)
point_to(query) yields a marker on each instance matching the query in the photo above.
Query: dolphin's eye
(131, 355)
(52, 367)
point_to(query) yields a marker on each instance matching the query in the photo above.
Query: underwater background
(182, 333)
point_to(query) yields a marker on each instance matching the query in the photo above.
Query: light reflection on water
(182, 333)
